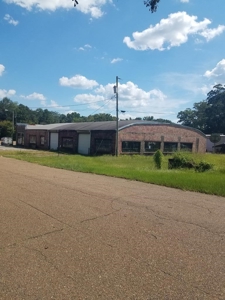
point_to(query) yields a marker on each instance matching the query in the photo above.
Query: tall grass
(136, 167)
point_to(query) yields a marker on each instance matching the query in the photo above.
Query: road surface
(67, 235)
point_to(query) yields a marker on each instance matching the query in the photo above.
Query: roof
(106, 125)
(103, 125)
(45, 127)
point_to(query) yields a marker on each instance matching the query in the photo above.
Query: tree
(152, 4)
(5, 129)
(207, 115)
(215, 110)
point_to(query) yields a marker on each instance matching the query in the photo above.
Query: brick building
(90, 138)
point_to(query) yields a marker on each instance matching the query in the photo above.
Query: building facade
(95, 138)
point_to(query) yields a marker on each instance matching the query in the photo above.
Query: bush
(203, 166)
(180, 161)
(158, 158)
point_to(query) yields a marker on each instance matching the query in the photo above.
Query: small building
(94, 138)
(210, 145)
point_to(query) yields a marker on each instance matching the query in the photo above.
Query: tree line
(207, 115)
(12, 113)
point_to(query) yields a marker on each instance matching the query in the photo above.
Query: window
(170, 147)
(152, 146)
(32, 139)
(186, 146)
(103, 145)
(42, 140)
(67, 142)
(131, 146)
(20, 138)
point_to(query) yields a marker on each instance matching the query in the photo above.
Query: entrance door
(84, 143)
(54, 141)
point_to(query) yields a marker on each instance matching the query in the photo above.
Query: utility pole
(117, 117)
(12, 126)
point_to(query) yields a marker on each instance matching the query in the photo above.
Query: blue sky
(66, 59)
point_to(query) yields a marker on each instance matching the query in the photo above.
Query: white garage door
(54, 139)
(84, 143)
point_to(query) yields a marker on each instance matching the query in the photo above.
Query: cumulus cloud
(2, 69)
(218, 72)
(92, 7)
(172, 32)
(34, 96)
(78, 81)
(132, 99)
(5, 93)
(116, 60)
(10, 20)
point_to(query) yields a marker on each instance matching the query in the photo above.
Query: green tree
(215, 111)
(5, 129)
(207, 115)
(195, 117)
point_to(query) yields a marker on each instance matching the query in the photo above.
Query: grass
(136, 167)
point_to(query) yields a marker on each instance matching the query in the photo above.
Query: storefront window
(131, 146)
(186, 146)
(103, 145)
(67, 142)
(152, 146)
(42, 140)
(170, 147)
(32, 139)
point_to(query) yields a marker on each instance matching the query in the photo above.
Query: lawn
(136, 167)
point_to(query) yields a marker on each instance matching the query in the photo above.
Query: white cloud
(5, 93)
(209, 34)
(34, 96)
(115, 60)
(132, 99)
(85, 47)
(78, 81)
(10, 20)
(2, 69)
(184, 1)
(218, 72)
(172, 32)
(92, 7)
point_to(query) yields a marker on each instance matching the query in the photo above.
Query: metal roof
(105, 125)
(45, 127)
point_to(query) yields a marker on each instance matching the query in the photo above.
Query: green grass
(136, 167)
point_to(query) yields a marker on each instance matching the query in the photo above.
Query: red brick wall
(158, 133)
(38, 134)
(69, 134)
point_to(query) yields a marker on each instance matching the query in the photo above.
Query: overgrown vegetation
(158, 158)
(183, 161)
(136, 167)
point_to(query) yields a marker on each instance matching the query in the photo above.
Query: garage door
(54, 139)
(84, 143)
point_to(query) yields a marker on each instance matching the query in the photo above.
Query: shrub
(203, 166)
(180, 161)
(158, 158)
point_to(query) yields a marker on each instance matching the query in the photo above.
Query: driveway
(67, 235)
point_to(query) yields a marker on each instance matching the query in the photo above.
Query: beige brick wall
(166, 133)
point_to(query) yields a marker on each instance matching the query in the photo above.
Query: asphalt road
(67, 235)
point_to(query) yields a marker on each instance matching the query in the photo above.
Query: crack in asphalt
(163, 217)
